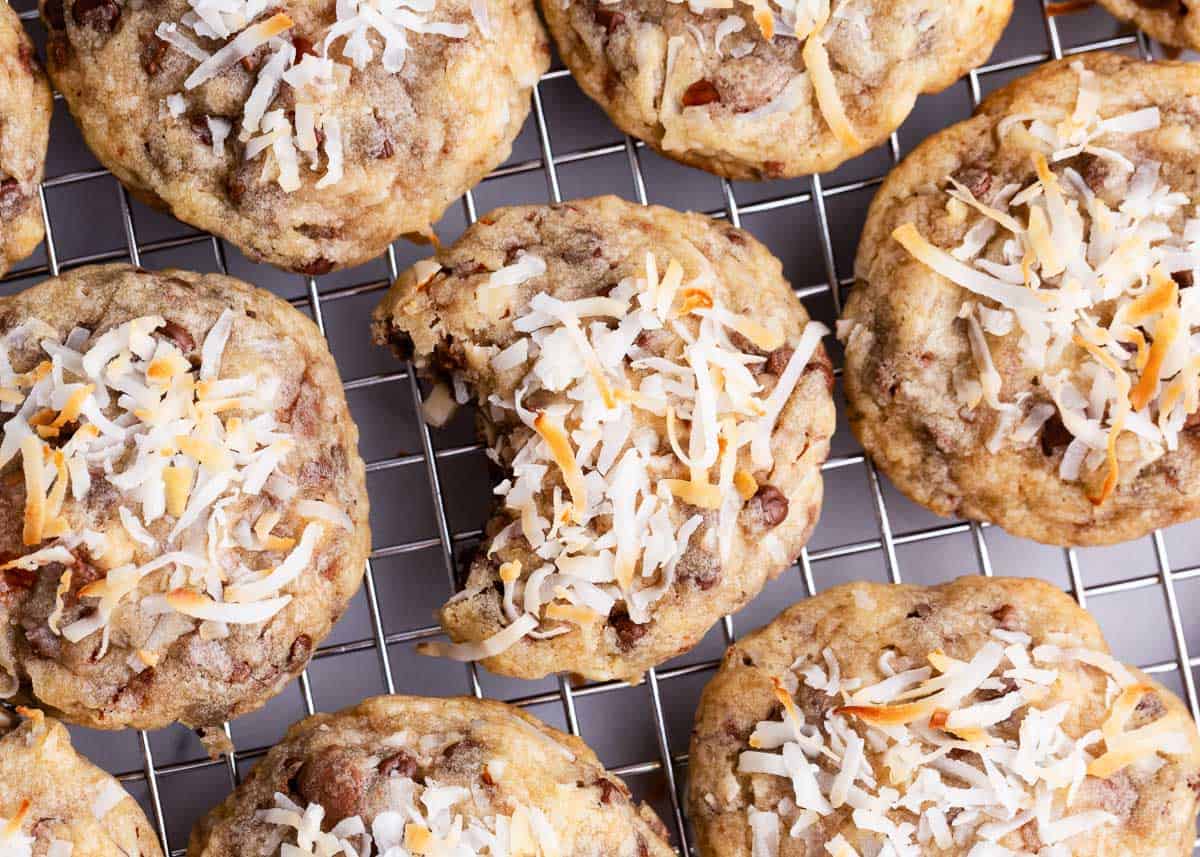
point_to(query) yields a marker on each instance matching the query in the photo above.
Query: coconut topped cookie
(1021, 340)
(768, 88)
(660, 404)
(25, 108)
(980, 718)
(55, 803)
(402, 775)
(185, 510)
(310, 134)
(1172, 22)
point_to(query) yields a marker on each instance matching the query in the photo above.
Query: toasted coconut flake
(551, 431)
(35, 490)
(192, 603)
(241, 47)
(746, 484)
(816, 60)
(501, 641)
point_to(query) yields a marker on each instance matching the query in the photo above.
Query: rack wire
(670, 690)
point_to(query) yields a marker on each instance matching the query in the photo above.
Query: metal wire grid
(667, 764)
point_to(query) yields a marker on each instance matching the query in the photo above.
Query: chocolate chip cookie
(752, 89)
(980, 717)
(659, 402)
(25, 108)
(1173, 22)
(54, 802)
(185, 513)
(412, 775)
(1021, 338)
(309, 133)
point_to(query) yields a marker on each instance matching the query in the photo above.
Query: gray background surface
(429, 490)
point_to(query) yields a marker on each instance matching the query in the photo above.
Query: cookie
(25, 108)
(1172, 22)
(184, 508)
(983, 717)
(310, 133)
(55, 802)
(1018, 339)
(430, 776)
(752, 90)
(659, 403)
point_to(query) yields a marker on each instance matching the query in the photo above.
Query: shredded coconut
(245, 26)
(1083, 285)
(591, 494)
(887, 749)
(188, 453)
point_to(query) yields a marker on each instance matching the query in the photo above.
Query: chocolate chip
(336, 779)
(199, 126)
(1093, 169)
(820, 363)
(773, 169)
(179, 334)
(43, 642)
(975, 179)
(241, 672)
(383, 151)
(1192, 422)
(921, 611)
(1007, 686)
(1117, 794)
(300, 649)
(154, 51)
(609, 19)
(1193, 783)
(52, 13)
(28, 58)
(399, 763)
(463, 756)
(769, 505)
(609, 790)
(701, 92)
(13, 200)
(316, 267)
(628, 632)
(137, 686)
(778, 360)
(1149, 708)
(235, 189)
(1007, 617)
(1176, 7)
(1054, 435)
(1183, 279)
(319, 231)
(101, 15)
(16, 581)
(303, 46)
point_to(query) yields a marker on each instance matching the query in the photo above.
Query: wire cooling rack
(430, 492)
